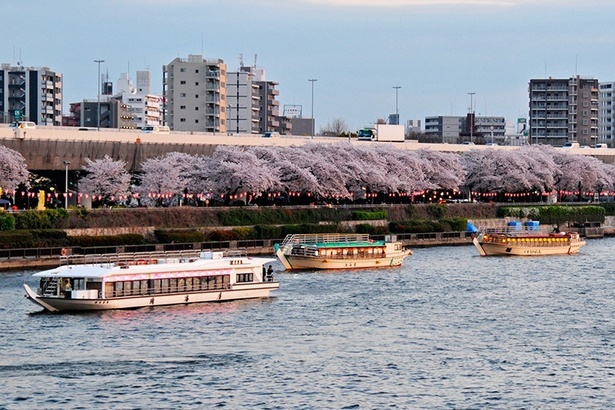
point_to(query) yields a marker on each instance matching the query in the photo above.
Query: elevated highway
(46, 148)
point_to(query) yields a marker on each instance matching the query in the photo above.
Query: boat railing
(300, 239)
(130, 258)
(516, 230)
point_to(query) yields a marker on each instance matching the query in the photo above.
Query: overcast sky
(437, 51)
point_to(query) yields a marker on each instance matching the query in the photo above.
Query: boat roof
(161, 265)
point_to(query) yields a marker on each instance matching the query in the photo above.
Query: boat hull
(497, 249)
(292, 262)
(58, 304)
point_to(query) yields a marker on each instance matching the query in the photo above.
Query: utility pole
(471, 117)
(313, 80)
(98, 87)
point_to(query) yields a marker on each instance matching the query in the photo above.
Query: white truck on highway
(382, 132)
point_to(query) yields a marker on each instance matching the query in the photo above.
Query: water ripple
(448, 330)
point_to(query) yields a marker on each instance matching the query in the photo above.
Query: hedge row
(284, 216)
(107, 240)
(426, 226)
(33, 239)
(369, 215)
(554, 214)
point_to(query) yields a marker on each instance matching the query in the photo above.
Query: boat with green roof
(339, 251)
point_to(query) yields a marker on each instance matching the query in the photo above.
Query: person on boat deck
(67, 286)
(270, 273)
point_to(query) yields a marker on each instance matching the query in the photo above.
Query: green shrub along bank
(34, 238)
(426, 226)
(556, 215)
(179, 236)
(7, 222)
(368, 215)
(107, 240)
(190, 217)
(372, 230)
(284, 216)
(48, 219)
(193, 225)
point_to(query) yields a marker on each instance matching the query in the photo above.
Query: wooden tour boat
(526, 241)
(128, 281)
(339, 251)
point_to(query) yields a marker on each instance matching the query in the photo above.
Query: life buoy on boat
(63, 252)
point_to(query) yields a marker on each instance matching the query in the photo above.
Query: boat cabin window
(245, 277)
(172, 285)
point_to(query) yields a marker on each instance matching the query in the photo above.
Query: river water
(449, 329)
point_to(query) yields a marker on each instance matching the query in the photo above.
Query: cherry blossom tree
(577, 173)
(404, 169)
(540, 163)
(292, 177)
(498, 171)
(105, 178)
(13, 171)
(442, 169)
(234, 170)
(321, 161)
(167, 174)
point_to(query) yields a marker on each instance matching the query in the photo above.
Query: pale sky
(437, 51)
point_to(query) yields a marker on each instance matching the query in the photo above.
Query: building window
(196, 71)
(182, 82)
(196, 83)
(196, 96)
(182, 70)
(182, 94)
(196, 108)
(182, 120)
(182, 107)
(196, 121)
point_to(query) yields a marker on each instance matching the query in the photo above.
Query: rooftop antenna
(255, 55)
(240, 61)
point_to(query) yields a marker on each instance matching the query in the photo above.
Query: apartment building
(195, 93)
(445, 129)
(242, 100)
(111, 113)
(607, 114)
(455, 130)
(145, 108)
(30, 93)
(269, 106)
(563, 110)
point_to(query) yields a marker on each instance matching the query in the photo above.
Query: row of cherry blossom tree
(320, 171)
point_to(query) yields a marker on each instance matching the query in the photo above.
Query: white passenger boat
(527, 242)
(127, 281)
(338, 251)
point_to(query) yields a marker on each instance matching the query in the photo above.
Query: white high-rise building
(194, 90)
(144, 107)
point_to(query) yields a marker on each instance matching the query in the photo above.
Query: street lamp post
(66, 164)
(312, 80)
(397, 87)
(471, 116)
(98, 87)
